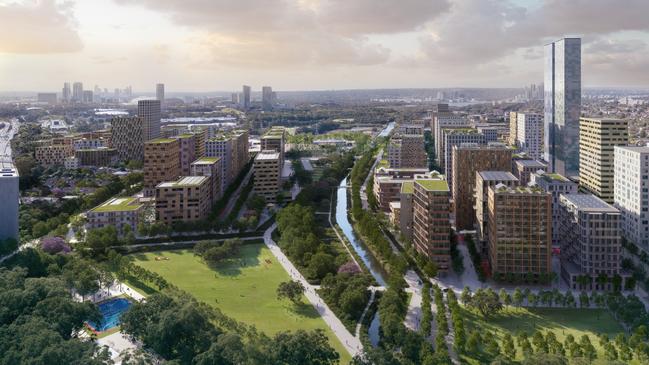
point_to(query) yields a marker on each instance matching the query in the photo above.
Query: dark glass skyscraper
(562, 105)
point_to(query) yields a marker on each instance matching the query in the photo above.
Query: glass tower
(562, 83)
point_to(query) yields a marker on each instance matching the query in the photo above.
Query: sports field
(243, 288)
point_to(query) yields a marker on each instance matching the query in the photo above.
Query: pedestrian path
(352, 344)
(413, 315)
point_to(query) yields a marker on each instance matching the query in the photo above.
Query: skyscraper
(160, 93)
(562, 105)
(246, 97)
(149, 111)
(127, 135)
(267, 97)
(631, 183)
(66, 93)
(77, 92)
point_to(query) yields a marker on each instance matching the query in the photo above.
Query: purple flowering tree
(54, 245)
(349, 267)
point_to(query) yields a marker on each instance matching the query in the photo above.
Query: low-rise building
(117, 212)
(523, 169)
(184, 200)
(520, 232)
(590, 240)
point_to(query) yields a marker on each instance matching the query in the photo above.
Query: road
(351, 343)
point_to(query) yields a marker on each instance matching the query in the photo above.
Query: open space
(243, 288)
(562, 322)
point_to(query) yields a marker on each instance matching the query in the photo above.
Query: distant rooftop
(206, 160)
(531, 163)
(589, 202)
(497, 176)
(433, 185)
(161, 140)
(266, 155)
(187, 181)
(639, 149)
(118, 205)
(408, 187)
(500, 188)
(554, 177)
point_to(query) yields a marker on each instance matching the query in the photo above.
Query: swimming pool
(110, 311)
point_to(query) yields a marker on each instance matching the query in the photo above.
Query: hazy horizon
(304, 45)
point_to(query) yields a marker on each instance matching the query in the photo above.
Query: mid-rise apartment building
(267, 170)
(161, 163)
(523, 169)
(116, 212)
(556, 185)
(184, 200)
(485, 179)
(406, 209)
(387, 184)
(468, 160)
(53, 154)
(431, 224)
(529, 134)
(274, 140)
(520, 231)
(187, 146)
(102, 156)
(453, 137)
(631, 191)
(590, 240)
(232, 148)
(127, 137)
(441, 121)
(149, 111)
(597, 140)
(210, 167)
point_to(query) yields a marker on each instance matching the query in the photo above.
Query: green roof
(433, 185)
(185, 135)
(118, 205)
(161, 140)
(408, 187)
(554, 176)
(383, 163)
(185, 181)
(207, 160)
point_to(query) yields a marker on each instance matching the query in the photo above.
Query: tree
(320, 265)
(518, 297)
(491, 346)
(587, 348)
(610, 352)
(473, 343)
(486, 302)
(539, 343)
(508, 346)
(466, 295)
(302, 347)
(54, 245)
(291, 290)
(545, 359)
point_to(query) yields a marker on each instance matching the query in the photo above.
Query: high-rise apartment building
(589, 236)
(274, 140)
(442, 121)
(267, 97)
(631, 192)
(210, 167)
(160, 93)
(529, 134)
(406, 209)
(468, 160)
(485, 179)
(161, 163)
(513, 128)
(184, 200)
(77, 92)
(407, 151)
(188, 144)
(232, 148)
(149, 111)
(66, 93)
(127, 136)
(556, 185)
(520, 231)
(9, 196)
(246, 97)
(562, 83)
(456, 137)
(431, 225)
(267, 175)
(597, 140)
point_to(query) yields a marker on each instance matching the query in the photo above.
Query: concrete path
(413, 315)
(27, 245)
(357, 332)
(117, 343)
(352, 344)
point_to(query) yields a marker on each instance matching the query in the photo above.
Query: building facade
(590, 240)
(267, 170)
(529, 135)
(245, 97)
(431, 225)
(210, 167)
(631, 193)
(149, 111)
(103, 156)
(184, 200)
(116, 212)
(484, 180)
(597, 140)
(468, 160)
(520, 231)
(523, 169)
(53, 154)
(562, 99)
(127, 137)
(161, 163)
(556, 185)
(10, 196)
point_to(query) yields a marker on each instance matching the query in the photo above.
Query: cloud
(298, 33)
(39, 26)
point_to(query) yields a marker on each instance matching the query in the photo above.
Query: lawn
(243, 288)
(561, 321)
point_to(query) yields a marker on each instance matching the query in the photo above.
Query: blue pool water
(110, 310)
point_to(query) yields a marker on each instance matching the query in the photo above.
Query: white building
(631, 193)
(9, 196)
(529, 135)
(557, 185)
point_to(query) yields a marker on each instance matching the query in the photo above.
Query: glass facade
(562, 84)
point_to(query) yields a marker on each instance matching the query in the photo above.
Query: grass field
(561, 321)
(243, 288)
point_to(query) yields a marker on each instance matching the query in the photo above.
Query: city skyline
(314, 45)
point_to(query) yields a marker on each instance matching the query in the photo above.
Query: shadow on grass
(139, 285)
(303, 309)
(248, 256)
(139, 257)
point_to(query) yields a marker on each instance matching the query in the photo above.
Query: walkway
(27, 245)
(235, 195)
(352, 344)
(413, 315)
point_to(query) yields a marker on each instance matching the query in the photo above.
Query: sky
(218, 45)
